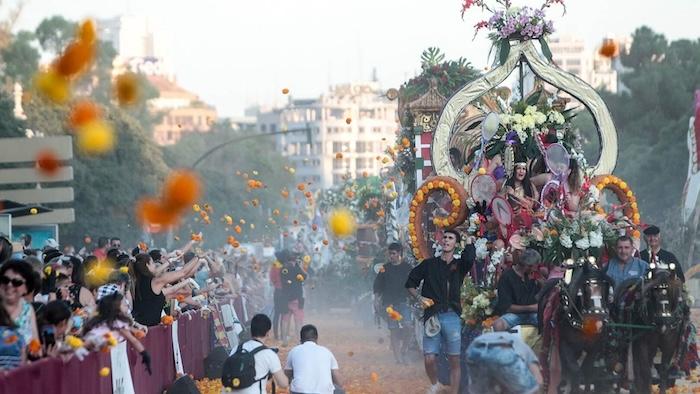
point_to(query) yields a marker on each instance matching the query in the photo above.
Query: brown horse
(577, 325)
(663, 306)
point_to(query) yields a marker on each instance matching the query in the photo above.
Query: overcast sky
(236, 53)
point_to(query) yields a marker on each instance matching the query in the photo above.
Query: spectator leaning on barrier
(12, 344)
(150, 290)
(312, 368)
(16, 280)
(112, 316)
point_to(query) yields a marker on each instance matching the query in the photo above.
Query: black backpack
(239, 369)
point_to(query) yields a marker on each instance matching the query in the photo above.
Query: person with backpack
(247, 369)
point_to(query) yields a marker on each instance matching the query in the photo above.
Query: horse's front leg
(668, 344)
(568, 353)
(642, 362)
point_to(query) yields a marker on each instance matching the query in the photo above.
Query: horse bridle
(590, 290)
(666, 316)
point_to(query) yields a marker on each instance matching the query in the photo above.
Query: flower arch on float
(622, 191)
(457, 215)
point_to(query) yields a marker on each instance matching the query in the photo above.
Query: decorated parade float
(522, 156)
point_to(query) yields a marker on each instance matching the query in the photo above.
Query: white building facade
(570, 53)
(353, 120)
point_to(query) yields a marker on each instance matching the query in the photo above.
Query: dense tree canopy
(652, 122)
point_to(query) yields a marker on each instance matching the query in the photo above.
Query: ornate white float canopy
(546, 71)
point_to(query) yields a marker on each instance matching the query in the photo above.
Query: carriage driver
(625, 266)
(517, 303)
(654, 254)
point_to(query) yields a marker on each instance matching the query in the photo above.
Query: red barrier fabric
(82, 377)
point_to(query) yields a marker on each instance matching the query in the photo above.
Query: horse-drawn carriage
(512, 171)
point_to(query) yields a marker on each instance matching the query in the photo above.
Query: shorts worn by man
(442, 279)
(311, 368)
(499, 360)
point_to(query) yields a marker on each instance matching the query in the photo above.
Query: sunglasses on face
(4, 280)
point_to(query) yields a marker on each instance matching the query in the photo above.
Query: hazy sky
(235, 53)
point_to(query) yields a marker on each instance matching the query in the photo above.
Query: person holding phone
(54, 320)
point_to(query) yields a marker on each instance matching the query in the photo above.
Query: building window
(360, 129)
(337, 164)
(273, 128)
(337, 147)
(360, 163)
(360, 147)
(263, 128)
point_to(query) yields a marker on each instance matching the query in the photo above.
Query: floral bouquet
(514, 23)
(529, 125)
(562, 237)
(477, 303)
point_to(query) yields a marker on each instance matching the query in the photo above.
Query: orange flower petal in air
(374, 376)
(52, 86)
(301, 187)
(285, 91)
(75, 59)
(126, 89)
(152, 211)
(87, 32)
(96, 137)
(47, 162)
(83, 112)
(182, 188)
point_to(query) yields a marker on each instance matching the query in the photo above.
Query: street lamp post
(206, 154)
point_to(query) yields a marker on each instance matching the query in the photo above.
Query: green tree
(20, 59)
(54, 33)
(107, 186)
(652, 122)
(225, 191)
(10, 126)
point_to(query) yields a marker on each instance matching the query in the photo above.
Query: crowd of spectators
(56, 302)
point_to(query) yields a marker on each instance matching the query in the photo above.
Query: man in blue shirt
(625, 265)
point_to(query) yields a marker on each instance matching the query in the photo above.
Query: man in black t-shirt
(390, 293)
(442, 279)
(654, 254)
(517, 303)
(292, 278)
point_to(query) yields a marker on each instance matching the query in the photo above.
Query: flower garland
(628, 202)
(457, 215)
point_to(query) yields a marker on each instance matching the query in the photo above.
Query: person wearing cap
(50, 244)
(442, 279)
(517, 302)
(654, 254)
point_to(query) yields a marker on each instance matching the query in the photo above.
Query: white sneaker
(433, 389)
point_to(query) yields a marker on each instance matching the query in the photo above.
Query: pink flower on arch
(467, 4)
